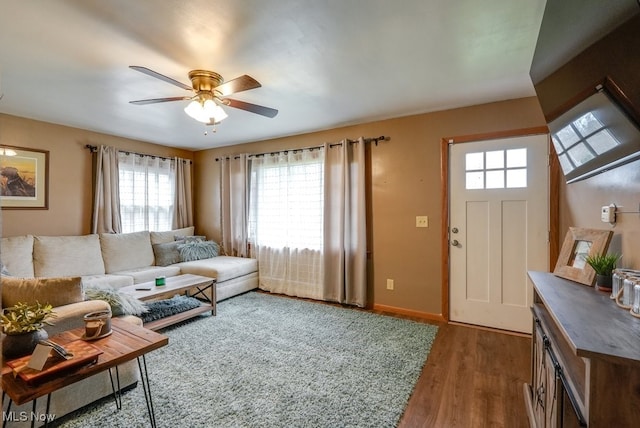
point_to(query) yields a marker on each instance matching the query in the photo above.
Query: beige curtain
(183, 205)
(233, 205)
(345, 244)
(106, 202)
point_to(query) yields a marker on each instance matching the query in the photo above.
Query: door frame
(554, 198)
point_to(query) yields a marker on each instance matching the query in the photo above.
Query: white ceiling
(321, 63)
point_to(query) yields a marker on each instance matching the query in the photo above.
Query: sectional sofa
(114, 260)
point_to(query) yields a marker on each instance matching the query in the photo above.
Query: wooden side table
(127, 342)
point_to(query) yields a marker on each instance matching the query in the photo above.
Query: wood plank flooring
(472, 378)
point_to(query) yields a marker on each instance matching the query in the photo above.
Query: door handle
(455, 243)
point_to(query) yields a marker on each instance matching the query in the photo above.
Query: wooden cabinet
(585, 358)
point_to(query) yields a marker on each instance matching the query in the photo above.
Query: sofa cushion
(54, 291)
(169, 235)
(116, 281)
(150, 273)
(222, 267)
(17, 255)
(197, 250)
(125, 251)
(67, 256)
(167, 253)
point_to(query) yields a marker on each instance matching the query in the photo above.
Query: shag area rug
(269, 361)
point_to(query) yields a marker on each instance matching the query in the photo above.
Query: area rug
(269, 361)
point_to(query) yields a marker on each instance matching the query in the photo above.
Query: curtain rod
(366, 140)
(94, 149)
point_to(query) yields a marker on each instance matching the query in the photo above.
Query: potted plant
(23, 325)
(603, 264)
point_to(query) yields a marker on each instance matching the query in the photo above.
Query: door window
(496, 169)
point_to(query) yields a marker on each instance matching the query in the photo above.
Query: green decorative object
(23, 324)
(603, 264)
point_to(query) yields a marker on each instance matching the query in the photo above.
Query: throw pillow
(54, 291)
(195, 238)
(167, 254)
(198, 250)
(121, 303)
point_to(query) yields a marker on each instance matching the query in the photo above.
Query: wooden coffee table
(127, 342)
(204, 287)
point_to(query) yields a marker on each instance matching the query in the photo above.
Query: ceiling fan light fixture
(205, 112)
(214, 112)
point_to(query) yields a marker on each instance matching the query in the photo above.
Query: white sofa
(116, 260)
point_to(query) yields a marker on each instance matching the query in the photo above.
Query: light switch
(422, 221)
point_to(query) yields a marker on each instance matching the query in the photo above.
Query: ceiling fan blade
(159, 100)
(239, 84)
(157, 75)
(253, 108)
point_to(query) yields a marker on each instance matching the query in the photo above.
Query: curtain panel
(183, 203)
(233, 205)
(345, 236)
(106, 196)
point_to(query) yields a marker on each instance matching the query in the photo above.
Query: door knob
(454, 230)
(455, 243)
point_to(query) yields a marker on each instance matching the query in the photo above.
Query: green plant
(24, 318)
(603, 264)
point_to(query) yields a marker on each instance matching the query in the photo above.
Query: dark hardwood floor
(472, 378)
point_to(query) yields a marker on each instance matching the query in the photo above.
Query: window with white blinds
(146, 192)
(286, 202)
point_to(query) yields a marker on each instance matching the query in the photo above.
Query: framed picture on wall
(24, 178)
(580, 243)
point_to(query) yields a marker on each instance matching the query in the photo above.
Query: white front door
(498, 229)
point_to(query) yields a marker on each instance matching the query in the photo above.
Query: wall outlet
(389, 284)
(422, 221)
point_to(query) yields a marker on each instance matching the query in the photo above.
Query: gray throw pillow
(167, 253)
(121, 303)
(190, 238)
(197, 250)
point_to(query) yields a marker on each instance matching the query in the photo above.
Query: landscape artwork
(23, 178)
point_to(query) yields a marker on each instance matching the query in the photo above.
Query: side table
(127, 342)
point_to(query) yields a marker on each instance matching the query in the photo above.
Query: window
(598, 133)
(146, 192)
(287, 198)
(581, 141)
(497, 169)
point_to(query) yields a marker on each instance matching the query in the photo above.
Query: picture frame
(24, 178)
(579, 243)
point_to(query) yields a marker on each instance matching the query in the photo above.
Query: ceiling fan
(210, 95)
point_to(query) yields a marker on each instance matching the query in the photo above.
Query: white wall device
(608, 214)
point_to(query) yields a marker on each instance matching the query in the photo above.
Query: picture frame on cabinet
(580, 243)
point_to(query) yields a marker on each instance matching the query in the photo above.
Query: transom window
(497, 169)
(582, 140)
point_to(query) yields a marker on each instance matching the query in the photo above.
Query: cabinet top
(592, 323)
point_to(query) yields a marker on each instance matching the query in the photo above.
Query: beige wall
(70, 165)
(405, 179)
(580, 202)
